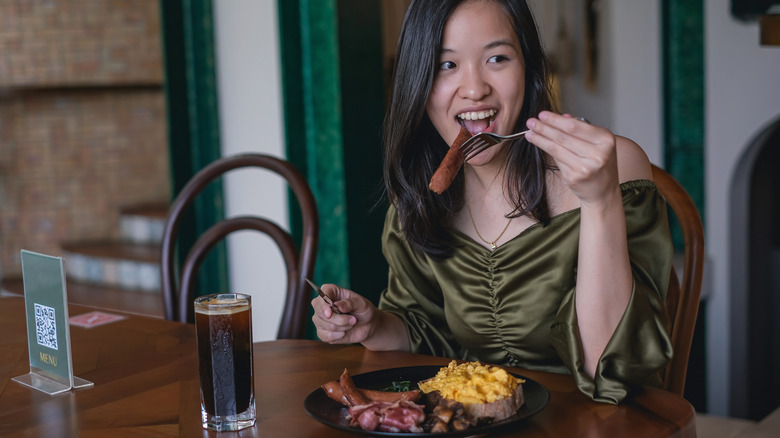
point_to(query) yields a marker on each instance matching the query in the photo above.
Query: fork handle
(517, 134)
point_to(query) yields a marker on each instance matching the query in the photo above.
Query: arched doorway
(755, 277)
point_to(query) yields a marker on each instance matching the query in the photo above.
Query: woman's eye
(447, 65)
(498, 58)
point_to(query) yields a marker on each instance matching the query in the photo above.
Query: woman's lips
(477, 121)
(477, 115)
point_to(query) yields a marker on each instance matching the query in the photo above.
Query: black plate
(333, 414)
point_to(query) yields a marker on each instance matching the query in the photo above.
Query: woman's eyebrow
(490, 45)
(499, 43)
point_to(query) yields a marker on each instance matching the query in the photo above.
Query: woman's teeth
(477, 115)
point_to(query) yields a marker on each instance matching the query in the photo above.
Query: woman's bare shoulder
(633, 163)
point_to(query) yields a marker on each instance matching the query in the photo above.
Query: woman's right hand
(354, 324)
(359, 322)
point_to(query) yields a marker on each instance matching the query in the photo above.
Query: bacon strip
(450, 165)
(401, 416)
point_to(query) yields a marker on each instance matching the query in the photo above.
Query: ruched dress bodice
(515, 305)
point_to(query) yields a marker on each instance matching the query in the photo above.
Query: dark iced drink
(224, 329)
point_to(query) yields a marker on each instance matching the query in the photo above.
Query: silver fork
(483, 140)
(479, 142)
(326, 298)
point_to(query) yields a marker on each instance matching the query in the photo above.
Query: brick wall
(82, 120)
(79, 42)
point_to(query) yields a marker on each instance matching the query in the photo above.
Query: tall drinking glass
(223, 323)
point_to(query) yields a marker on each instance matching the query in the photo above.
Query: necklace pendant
(493, 243)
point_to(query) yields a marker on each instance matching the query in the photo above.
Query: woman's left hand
(585, 154)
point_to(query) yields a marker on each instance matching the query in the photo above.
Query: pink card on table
(93, 319)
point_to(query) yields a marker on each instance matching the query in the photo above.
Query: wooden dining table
(145, 378)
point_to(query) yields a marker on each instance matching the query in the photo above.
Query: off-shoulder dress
(515, 305)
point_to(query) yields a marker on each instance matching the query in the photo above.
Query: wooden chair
(178, 297)
(682, 299)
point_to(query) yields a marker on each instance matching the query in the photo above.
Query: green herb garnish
(399, 386)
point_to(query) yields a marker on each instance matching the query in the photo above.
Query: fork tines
(475, 145)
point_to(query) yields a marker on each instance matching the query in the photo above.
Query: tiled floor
(708, 426)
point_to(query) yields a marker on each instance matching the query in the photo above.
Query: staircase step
(103, 297)
(143, 223)
(123, 265)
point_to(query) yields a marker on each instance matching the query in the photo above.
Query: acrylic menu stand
(48, 333)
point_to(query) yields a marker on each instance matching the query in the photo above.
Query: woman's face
(480, 79)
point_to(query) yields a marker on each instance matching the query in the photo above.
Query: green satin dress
(515, 305)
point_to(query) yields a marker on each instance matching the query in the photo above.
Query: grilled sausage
(333, 390)
(450, 165)
(351, 393)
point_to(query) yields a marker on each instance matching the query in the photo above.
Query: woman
(551, 252)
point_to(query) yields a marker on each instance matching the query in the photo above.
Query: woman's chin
(489, 156)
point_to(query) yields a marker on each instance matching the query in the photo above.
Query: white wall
(742, 96)
(250, 106)
(628, 93)
(634, 29)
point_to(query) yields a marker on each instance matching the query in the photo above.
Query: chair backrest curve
(177, 299)
(682, 302)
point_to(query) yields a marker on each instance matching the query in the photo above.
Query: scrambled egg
(472, 382)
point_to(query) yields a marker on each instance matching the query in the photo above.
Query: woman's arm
(593, 162)
(604, 279)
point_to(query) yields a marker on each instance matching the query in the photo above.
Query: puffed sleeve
(414, 295)
(640, 347)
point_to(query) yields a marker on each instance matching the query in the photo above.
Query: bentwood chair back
(682, 299)
(179, 295)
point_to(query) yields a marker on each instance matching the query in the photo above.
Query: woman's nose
(473, 85)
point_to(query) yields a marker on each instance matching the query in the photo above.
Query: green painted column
(683, 57)
(193, 123)
(363, 99)
(313, 123)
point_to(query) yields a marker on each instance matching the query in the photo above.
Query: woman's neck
(487, 178)
(481, 181)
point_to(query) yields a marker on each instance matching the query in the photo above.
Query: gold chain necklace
(493, 243)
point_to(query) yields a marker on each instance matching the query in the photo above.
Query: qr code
(45, 326)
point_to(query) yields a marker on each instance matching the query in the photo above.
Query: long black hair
(414, 149)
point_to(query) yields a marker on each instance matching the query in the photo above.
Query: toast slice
(497, 410)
